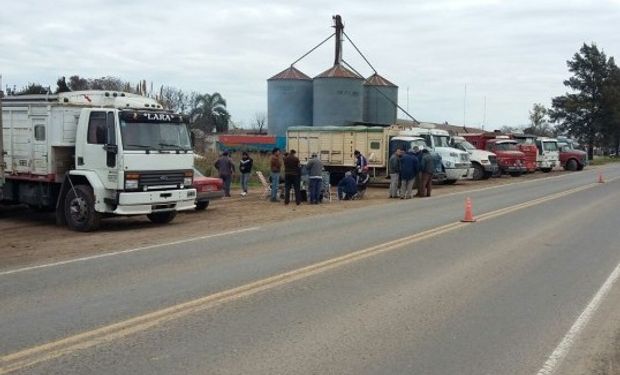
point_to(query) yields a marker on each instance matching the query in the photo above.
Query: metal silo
(338, 97)
(289, 101)
(380, 99)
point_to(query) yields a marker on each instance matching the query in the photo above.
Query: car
(207, 189)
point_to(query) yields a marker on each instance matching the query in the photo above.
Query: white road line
(560, 352)
(104, 255)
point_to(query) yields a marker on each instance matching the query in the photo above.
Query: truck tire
(162, 217)
(201, 206)
(479, 173)
(571, 165)
(79, 208)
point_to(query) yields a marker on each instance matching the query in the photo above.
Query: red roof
(338, 71)
(377, 80)
(290, 73)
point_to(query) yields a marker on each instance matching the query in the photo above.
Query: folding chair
(326, 189)
(265, 183)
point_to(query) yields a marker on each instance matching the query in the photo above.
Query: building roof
(290, 73)
(338, 71)
(377, 80)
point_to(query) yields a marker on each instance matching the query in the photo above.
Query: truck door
(39, 146)
(99, 150)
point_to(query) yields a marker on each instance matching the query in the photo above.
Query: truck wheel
(515, 174)
(162, 217)
(201, 206)
(571, 165)
(80, 209)
(479, 173)
(545, 170)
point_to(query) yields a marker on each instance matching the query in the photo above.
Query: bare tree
(260, 122)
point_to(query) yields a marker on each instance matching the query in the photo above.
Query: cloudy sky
(513, 53)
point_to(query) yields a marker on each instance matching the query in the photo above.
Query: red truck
(571, 159)
(527, 145)
(509, 158)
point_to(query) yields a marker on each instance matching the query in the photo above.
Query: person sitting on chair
(347, 187)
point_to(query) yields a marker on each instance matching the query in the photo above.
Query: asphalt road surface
(401, 288)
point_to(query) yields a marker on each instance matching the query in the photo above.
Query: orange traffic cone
(469, 216)
(600, 178)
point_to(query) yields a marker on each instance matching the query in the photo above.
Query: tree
(173, 99)
(33, 88)
(210, 113)
(611, 111)
(77, 83)
(581, 112)
(260, 122)
(539, 121)
(61, 85)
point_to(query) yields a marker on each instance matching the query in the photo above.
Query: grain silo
(380, 99)
(338, 97)
(289, 101)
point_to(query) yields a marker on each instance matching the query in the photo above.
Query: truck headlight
(188, 180)
(132, 181)
(454, 155)
(483, 161)
(448, 163)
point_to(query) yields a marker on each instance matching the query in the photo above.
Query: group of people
(226, 169)
(292, 176)
(411, 168)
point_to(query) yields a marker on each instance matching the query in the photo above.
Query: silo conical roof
(291, 73)
(338, 71)
(377, 80)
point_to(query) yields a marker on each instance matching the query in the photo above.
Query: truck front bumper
(142, 203)
(514, 169)
(456, 173)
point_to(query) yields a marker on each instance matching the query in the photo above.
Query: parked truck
(509, 159)
(527, 145)
(571, 158)
(483, 163)
(89, 154)
(548, 153)
(1, 146)
(335, 146)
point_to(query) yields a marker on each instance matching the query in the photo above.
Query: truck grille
(492, 159)
(161, 178)
(465, 157)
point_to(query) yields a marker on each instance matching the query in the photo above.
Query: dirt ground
(28, 237)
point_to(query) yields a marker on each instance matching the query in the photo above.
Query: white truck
(456, 163)
(335, 146)
(548, 156)
(483, 163)
(89, 154)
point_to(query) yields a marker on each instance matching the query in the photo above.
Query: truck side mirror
(192, 138)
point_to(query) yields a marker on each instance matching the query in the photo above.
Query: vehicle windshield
(419, 143)
(550, 146)
(441, 141)
(155, 136)
(525, 141)
(506, 146)
(464, 145)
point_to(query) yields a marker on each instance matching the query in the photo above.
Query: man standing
(361, 164)
(292, 177)
(428, 168)
(408, 172)
(225, 168)
(347, 187)
(275, 166)
(315, 178)
(394, 167)
(245, 168)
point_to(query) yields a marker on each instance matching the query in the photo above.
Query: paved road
(494, 297)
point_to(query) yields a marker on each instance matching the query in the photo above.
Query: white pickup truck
(88, 154)
(483, 163)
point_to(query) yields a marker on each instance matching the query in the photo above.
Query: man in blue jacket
(408, 173)
(347, 187)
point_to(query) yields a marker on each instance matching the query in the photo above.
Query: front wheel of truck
(80, 211)
(162, 217)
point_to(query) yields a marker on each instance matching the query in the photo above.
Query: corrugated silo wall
(289, 103)
(378, 109)
(337, 101)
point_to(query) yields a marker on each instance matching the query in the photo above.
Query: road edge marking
(119, 252)
(559, 354)
(48, 351)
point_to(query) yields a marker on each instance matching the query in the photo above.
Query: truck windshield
(506, 146)
(441, 141)
(419, 143)
(155, 136)
(464, 145)
(550, 146)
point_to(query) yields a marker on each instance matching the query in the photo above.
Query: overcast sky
(513, 53)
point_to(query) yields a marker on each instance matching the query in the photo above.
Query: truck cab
(97, 153)
(527, 145)
(509, 159)
(548, 154)
(455, 162)
(571, 158)
(484, 163)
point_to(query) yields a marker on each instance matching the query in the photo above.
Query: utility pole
(465, 107)
(484, 117)
(407, 98)
(1, 143)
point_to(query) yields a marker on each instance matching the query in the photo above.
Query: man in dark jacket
(315, 178)
(292, 177)
(225, 168)
(275, 164)
(245, 168)
(347, 187)
(408, 172)
(428, 169)
(394, 168)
